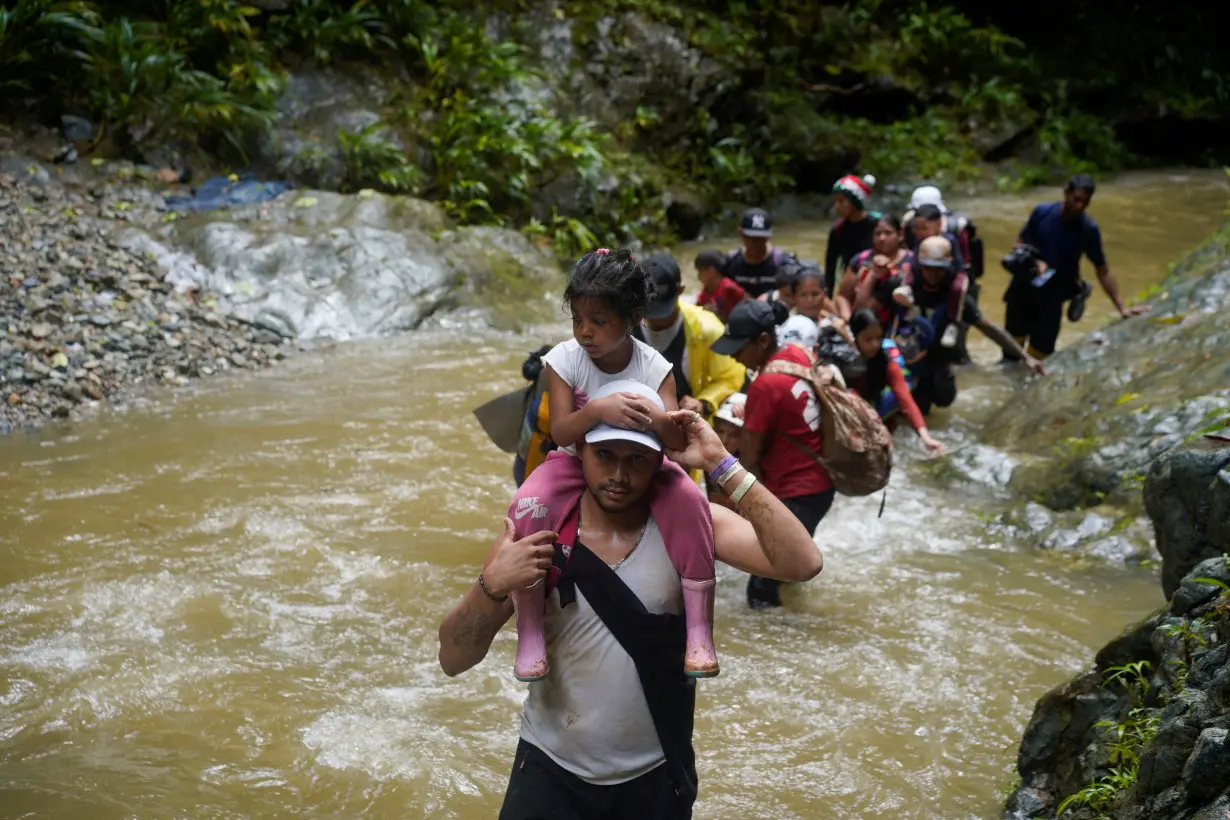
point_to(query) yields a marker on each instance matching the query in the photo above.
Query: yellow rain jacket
(713, 377)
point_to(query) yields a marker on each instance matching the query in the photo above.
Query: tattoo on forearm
(472, 629)
(757, 510)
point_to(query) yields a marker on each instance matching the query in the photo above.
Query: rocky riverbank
(1145, 733)
(85, 319)
(106, 292)
(1115, 401)
(1127, 393)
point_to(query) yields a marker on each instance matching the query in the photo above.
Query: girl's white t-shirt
(572, 364)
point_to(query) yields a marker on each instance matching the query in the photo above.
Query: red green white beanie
(855, 188)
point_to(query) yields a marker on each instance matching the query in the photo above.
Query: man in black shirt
(851, 233)
(754, 266)
(939, 304)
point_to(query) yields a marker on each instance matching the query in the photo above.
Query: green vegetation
(1126, 739)
(803, 92)
(374, 161)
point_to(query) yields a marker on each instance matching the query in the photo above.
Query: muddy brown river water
(223, 603)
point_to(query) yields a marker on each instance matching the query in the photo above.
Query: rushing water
(224, 603)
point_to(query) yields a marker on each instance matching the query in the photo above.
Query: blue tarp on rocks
(223, 192)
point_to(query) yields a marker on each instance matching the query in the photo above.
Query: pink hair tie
(603, 251)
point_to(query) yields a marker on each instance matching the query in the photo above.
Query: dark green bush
(895, 87)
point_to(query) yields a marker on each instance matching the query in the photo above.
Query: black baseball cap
(756, 223)
(746, 322)
(667, 282)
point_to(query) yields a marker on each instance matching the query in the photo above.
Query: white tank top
(589, 714)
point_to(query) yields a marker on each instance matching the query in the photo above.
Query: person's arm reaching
(751, 449)
(661, 422)
(905, 400)
(467, 631)
(864, 295)
(1111, 286)
(1092, 248)
(759, 420)
(1009, 345)
(768, 540)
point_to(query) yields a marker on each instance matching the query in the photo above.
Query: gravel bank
(83, 320)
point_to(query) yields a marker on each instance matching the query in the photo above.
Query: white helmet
(927, 195)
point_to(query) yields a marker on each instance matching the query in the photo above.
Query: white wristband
(741, 490)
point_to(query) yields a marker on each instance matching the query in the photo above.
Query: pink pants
(679, 507)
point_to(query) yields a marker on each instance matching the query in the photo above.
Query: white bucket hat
(927, 195)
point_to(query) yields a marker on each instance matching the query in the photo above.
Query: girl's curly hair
(613, 278)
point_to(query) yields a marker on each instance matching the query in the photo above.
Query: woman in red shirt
(883, 385)
(781, 425)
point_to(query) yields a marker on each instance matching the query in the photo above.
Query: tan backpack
(856, 448)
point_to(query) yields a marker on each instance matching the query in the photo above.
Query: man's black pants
(936, 384)
(810, 510)
(539, 789)
(1036, 314)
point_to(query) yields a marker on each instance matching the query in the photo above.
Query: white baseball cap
(926, 195)
(608, 432)
(727, 411)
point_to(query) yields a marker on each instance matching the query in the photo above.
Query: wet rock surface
(1125, 395)
(1187, 494)
(318, 104)
(1152, 744)
(321, 265)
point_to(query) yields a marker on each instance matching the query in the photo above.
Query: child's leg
(539, 505)
(539, 502)
(682, 514)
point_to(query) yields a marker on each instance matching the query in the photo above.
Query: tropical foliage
(897, 87)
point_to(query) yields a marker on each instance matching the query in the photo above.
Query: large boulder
(315, 264)
(1174, 719)
(1187, 495)
(1126, 394)
(610, 68)
(315, 107)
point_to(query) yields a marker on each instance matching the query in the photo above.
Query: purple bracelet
(724, 465)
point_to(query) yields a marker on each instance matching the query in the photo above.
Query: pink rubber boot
(700, 658)
(531, 663)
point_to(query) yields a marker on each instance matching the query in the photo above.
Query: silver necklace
(621, 561)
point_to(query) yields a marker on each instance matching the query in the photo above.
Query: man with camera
(1046, 273)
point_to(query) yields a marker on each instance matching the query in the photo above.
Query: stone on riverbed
(1187, 494)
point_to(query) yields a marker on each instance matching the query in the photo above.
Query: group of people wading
(666, 435)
